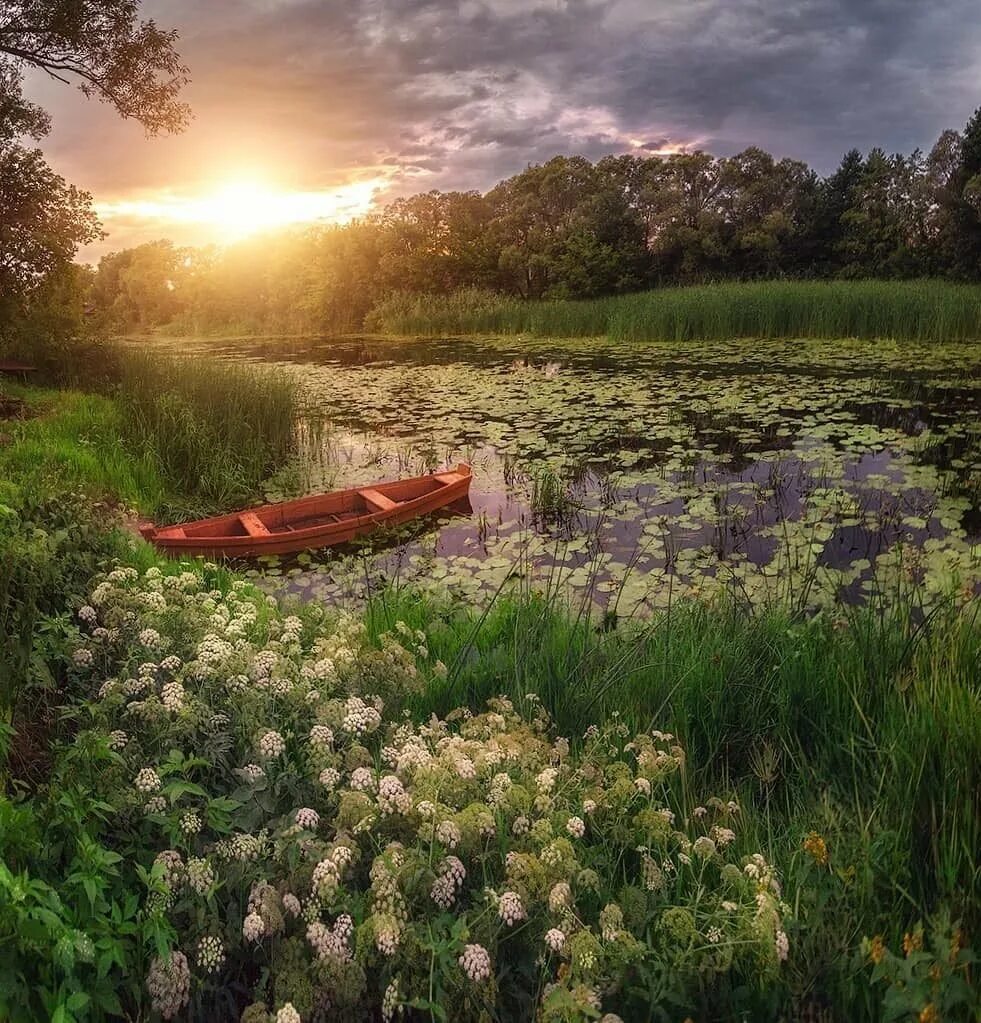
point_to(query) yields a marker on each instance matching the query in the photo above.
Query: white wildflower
(253, 927)
(307, 819)
(510, 908)
(475, 962)
(271, 744)
(554, 939)
(147, 780)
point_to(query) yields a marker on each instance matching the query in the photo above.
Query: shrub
(320, 851)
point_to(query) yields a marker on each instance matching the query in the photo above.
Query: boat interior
(318, 510)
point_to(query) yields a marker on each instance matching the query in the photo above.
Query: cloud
(459, 93)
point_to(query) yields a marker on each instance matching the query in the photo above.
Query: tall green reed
(214, 429)
(925, 310)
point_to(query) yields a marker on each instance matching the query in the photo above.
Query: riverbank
(928, 310)
(235, 793)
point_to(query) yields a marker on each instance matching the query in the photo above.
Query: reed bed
(215, 430)
(927, 310)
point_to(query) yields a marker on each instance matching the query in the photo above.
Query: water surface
(810, 472)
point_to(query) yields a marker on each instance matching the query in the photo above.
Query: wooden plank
(449, 478)
(172, 533)
(253, 525)
(379, 501)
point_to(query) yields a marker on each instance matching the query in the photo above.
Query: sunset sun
(240, 206)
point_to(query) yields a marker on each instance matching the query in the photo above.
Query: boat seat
(378, 501)
(172, 533)
(253, 525)
(448, 478)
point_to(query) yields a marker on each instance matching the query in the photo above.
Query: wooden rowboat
(311, 522)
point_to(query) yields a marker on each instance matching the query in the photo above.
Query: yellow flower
(929, 1014)
(913, 942)
(815, 845)
(877, 949)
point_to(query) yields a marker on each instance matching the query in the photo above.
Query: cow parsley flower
(147, 780)
(363, 779)
(448, 833)
(168, 983)
(149, 638)
(510, 908)
(321, 736)
(704, 847)
(82, 657)
(253, 927)
(782, 945)
(476, 962)
(307, 819)
(329, 777)
(576, 827)
(554, 939)
(118, 739)
(172, 696)
(271, 744)
(560, 896)
(211, 953)
(200, 875)
(190, 823)
(288, 1014)
(392, 797)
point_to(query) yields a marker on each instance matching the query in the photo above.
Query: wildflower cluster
(314, 828)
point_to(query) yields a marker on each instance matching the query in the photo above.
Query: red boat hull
(309, 523)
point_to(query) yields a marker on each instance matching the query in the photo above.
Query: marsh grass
(213, 430)
(926, 310)
(74, 441)
(865, 729)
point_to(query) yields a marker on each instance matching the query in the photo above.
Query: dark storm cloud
(458, 93)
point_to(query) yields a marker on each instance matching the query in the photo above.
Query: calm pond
(636, 474)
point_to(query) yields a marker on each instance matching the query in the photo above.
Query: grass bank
(902, 310)
(170, 437)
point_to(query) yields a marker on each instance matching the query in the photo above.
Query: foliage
(300, 819)
(130, 64)
(103, 47)
(918, 310)
(50, 545)
(65, 938)
(571, 229)
(931, 980)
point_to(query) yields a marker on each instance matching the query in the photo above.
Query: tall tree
(103, 47)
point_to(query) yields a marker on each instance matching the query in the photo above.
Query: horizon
(378, 103)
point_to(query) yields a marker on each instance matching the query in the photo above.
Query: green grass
(868, 732)
(903, 310)
(214, 430)
(74, 441)
(169, 436)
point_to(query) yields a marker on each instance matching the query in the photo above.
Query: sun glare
(238, 208)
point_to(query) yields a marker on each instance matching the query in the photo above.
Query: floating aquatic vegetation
(802, 472)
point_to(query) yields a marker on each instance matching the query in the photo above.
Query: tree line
(570, 228)
(567, 228)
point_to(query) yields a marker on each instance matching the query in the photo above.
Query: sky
(321, 109)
